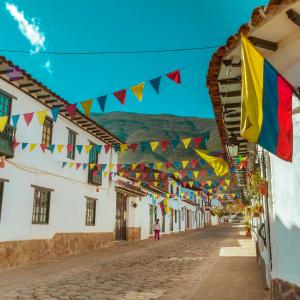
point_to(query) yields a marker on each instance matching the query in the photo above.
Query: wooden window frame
(90, 211)
(10, 104)
(47, 139)
(71, 154)
(40, 210)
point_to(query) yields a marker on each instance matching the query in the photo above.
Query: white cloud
(48, 66)
(28, 28)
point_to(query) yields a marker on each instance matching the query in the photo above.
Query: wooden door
(179, 219)
(151, 218)
(187, 218)
(171, 219)
(121, 216)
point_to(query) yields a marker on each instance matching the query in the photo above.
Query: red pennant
(119, 166)
(78, 165)
(167, 164)
(43, 147)
(194, 163)
(166, 184)
(142, 166)
(197, 141)
(28, 118)
(95, 173)
(133, 147)
(164, 145)
(144, 175)
(107, 147)
(71, 109)
(184, 183)
(183, 174)
(99, 167)
(162, 175)
(69, 148)
(175, 76)
(121, 96)
(15, 144)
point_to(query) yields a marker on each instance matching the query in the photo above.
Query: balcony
(94, 179)
(7, 137)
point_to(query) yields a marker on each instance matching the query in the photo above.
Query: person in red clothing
(156, 228)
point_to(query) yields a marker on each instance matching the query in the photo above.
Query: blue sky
(98, 25)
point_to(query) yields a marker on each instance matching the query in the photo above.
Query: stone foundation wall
(18, 253)
(284, 290)
(133, 233)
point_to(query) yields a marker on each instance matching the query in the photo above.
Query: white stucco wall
(67, 204)
(285, 212)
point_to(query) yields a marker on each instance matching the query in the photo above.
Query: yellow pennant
(167, 207)
(225, 188)
(3, 121)
(88, 148)
(181, 194)
(155, 183)
(137, 175)
(176, 174)
(59, 147)
(92, 165)
(86, 105)
(186, 142)
(41, 115)
(138, 183)
(133, 166)
(210, 190)
(196, 173)
(31, 147)
(185, 163)
(111, 166)
(173, 183)
(123, 147)
(138, 90)
(121, 173)
(105, 174)
(71, 164)
(227, 181)
(208, 182)
(156, 175)
(154, 145)
(191, 183)
(159, 165)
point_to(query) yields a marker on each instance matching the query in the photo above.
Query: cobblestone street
(208, 263)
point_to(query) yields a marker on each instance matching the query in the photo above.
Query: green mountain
(136, 128)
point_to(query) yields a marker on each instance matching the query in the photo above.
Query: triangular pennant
(175, 76)
(64, 164)
(144, 146)
(123, 147)
(183, 174)
(78, 165)
(43, 147)
(59, 147)
(186, 142)
(15, 144)
(191, 183)
(88, 148)
(87, 105)
(79, 148)
(156, 175)
(168, 164)
(121, 96)
(196, 173)
(151, 165)
(15, 120)
(197, 141)
(51, 148)
(133, 147)
(55, 111)
(133, 166)
(107, 148)
(138, 90)
(24, 145)
(70, 148)
(176, 174)
(159, 165)
(184, 163)
(194, 163)
(155, 183)
(28, 118)
(102, 102)
(209, 183)
(111, 166)
(3, 121)
(175, 143)
(105, 174)
(184, 183)
(177, 164)
(41, 115)
(92, 165)
(164, 145)
(71, 165)
(137, 175)
(71, 109)
(227, 181)
(32, 147)
(155, 82)
(154, 145)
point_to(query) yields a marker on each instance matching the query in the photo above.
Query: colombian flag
(266, 116)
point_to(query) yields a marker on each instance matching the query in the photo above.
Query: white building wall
(67, 204)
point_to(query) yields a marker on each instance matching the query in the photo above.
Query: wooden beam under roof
(35, 91)
(25, 85)
(17, 78)
(6, 71)
(293, 16)
(232, 105)
(228, 62)
(43, 96)
(232, 122)
(231, 94)
(263, 43)
(51, 101)
(234, 80)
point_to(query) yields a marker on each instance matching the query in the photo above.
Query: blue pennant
(98, 148)
(51, 147)
(102, 102)
(116, 147)
(144, 146)
(151, 165)
(15, 120)
(55, 112)
(64, 164)
(24, 145)
(175, 143)
(79, 148)
(84, 165)
(177, 164)
(155, 82)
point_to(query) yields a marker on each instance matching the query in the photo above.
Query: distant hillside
(135, 128)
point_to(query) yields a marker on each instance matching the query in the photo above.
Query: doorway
(121, 216)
